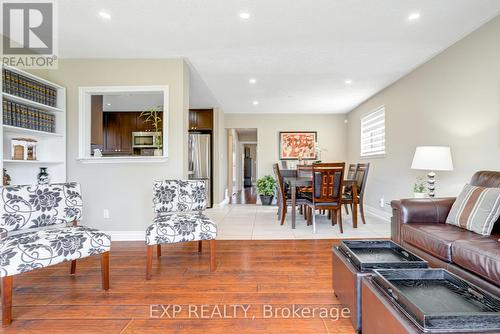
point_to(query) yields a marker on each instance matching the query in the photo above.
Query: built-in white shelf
(51, 147)
(33, 162)
(34, 104)
(23, 131)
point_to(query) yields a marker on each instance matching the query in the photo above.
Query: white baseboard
(379, 213)
(127, 235)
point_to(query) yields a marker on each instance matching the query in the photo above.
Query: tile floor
(257, 222)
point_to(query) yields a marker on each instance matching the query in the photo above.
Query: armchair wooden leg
(158, 251)
(72, 270)
(200, 246)
(6, 300)
(105, 270)
(149, 261)
(213, 258)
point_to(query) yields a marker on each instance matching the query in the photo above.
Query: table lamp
(432, 158)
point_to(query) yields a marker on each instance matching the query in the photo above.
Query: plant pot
(419, 195)
(158, 152)
(266, 199)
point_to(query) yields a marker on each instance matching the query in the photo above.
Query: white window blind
(373, 133)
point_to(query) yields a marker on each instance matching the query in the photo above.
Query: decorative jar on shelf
(43, 177)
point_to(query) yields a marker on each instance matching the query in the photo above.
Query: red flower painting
(297, 145)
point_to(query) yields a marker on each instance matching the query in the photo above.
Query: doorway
(242, 166)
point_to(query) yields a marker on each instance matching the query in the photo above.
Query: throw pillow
(476, 209)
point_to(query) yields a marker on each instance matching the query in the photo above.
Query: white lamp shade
(432, 158)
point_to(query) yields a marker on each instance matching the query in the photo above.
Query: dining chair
(361, 179)
(351, 174)
(283, 196)
(327, 185)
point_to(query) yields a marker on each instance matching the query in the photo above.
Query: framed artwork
(295, 145)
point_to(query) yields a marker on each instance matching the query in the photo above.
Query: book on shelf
(27, 117)
(27, 88)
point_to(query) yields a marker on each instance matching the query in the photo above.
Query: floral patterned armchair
(39, 228)
(178, 206)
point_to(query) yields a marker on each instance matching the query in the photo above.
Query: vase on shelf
(43, 177)
(6, 178)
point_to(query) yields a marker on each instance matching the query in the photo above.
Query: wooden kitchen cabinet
(201, 119)
(96, 135)
(128, 124)
(112, 135)
(118, 128)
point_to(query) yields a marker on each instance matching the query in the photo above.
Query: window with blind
(373, 133)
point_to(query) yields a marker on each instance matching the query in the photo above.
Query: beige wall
(331, 134)
(451, 100)
(124, 189)
(220, 157)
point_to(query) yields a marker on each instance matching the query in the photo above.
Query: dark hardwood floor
(250, 273)
(245, 196)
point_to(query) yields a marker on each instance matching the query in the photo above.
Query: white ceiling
(131, 101)
(300, 51)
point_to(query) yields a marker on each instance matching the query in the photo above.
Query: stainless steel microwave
(145, 139)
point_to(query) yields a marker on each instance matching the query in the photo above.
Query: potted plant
(419, 188)
(265, 187)
(153, 116)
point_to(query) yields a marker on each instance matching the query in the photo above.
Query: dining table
(291, 177)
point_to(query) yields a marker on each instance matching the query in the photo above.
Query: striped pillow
(476, 209)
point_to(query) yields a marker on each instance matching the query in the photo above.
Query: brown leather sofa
(419, 226)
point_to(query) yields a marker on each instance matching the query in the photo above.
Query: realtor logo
(28, 31)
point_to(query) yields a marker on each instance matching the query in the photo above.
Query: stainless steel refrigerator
(200, 161)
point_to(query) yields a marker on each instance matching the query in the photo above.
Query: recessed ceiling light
(255, 103)
(108, 104)
(348, 82)
(245, 15)
(252, 80)
(413, 16)
(105, 15)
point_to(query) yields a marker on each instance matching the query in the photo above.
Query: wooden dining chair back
(351, 171)
(284, 195)
(328, 180)
(279, 181)
(351, 175)
(361, 179)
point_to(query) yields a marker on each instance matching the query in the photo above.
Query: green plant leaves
(266, 185)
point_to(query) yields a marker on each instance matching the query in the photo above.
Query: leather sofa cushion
(435, 239)
(481, 257)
